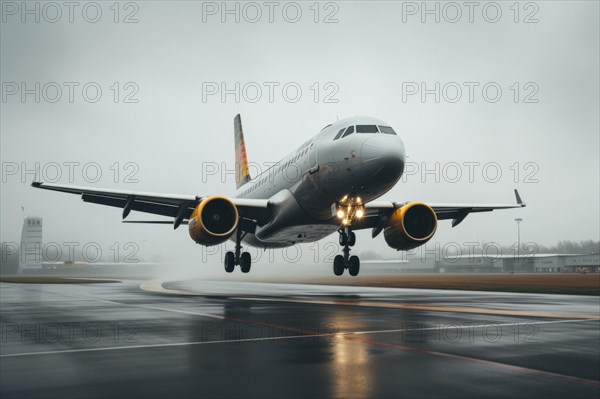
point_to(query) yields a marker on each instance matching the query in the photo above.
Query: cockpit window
(349, 131)
(339, 134)
(366, 129)
(387, 130)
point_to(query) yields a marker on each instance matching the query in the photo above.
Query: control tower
(30, 252)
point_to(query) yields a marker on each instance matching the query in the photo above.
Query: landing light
(350, 208)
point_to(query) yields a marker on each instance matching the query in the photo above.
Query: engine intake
(410, 226)
(213, 221)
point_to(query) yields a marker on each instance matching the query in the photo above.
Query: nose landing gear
(348, 209)
(345, 261)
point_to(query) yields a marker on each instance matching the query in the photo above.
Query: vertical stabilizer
(242, 173)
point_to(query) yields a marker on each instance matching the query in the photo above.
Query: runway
(235, 339)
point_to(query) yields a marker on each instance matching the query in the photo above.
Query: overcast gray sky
(541, 132)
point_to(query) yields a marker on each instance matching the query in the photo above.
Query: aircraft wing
(377, 210)
(178, 206)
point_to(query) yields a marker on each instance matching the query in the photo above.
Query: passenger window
(339, 134)
(366, 129)
(387, 130)
(349, 131)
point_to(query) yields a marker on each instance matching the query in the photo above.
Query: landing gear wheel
(338, 265)
(351, 239)
(229, 261)
(343, 239)
(353, 265)
(245, 262)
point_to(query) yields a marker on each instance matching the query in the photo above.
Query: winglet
(519, 200)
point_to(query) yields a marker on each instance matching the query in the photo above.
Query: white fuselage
(305, 185)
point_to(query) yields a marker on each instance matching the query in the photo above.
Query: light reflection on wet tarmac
(95, 340)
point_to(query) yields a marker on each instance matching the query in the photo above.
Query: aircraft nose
(383, 157)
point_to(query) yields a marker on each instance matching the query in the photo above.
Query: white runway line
(258, 339)
(212, 316)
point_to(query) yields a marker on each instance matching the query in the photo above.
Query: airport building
(567, 263)
(31, 251)
(532, 263)
(30, 259)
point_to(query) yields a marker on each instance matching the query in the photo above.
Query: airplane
(329, 184)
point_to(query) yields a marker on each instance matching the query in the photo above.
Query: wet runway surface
(231, 339)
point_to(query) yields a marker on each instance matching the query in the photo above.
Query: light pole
(518, 220)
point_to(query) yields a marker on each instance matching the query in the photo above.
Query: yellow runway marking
(156, 286)
(432, 308)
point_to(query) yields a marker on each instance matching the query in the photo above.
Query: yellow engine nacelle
(213, 221)
(410, 226)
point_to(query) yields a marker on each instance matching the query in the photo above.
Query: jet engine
(213, 221)
(410, 226)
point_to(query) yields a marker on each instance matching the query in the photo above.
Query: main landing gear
(348, 209)
(242, 259)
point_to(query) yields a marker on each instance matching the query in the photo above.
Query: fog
(159, 126)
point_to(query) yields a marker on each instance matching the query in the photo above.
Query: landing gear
(238, 258)
(229, 262)
(338, 265)
(347, 238)
(348, 209)
(343, 238)
(245, 262)
(353, 265)
(351, 239)
(345, 261)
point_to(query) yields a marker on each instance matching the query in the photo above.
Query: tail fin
(242, 173)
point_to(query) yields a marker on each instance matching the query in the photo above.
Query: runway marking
(157, 287)
(346, 334)
(430, 308)
(177, 311)
(209, 315)
(173, 344)
(212, 316)
(352, 336)
(491, 363)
